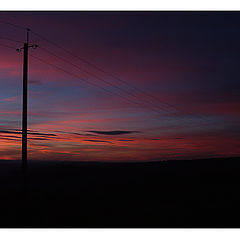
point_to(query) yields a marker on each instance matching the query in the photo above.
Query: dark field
(196, 193)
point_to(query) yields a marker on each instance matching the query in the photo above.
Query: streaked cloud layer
(184, 67)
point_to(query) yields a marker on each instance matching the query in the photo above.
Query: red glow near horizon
(197, 113)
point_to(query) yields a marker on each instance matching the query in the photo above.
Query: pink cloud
(11, 99)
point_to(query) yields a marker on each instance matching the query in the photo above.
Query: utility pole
(25, 101)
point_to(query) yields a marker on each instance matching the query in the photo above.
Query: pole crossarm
(34, 46)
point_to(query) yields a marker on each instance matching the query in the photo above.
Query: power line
(109, 92)
(10, 39)
(94, 84)
(103, 80)
(102, 70)
(59, 68)
(113, 76)
(74, 75)
(97, 86)
(117, 87)
(91, 83)
(13, 25)
(7, 46)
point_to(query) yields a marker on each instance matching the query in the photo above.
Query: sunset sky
(163, 85)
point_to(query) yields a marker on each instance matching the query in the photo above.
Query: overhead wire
(91, 83)
(12, 24)
(103, 80)
(113, 76)
(7, 46)
(99, 69)
(10, 39)
(100, 87)
(84, 80)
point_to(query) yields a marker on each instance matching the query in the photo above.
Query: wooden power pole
(25, 101)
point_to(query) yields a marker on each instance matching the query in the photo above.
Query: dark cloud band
(113, 132)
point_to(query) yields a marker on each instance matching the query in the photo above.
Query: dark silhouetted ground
(194, 193)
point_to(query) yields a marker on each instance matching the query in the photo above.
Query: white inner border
(120, 5)
(120, 234)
